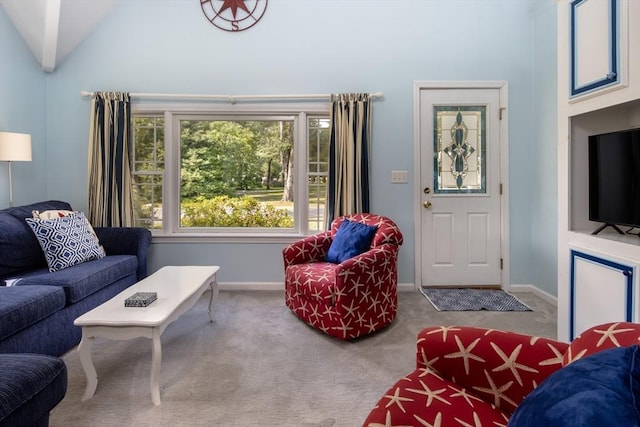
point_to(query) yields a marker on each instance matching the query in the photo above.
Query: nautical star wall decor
(234, 15)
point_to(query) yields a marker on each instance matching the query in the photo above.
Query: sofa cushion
(599, 390)
(19, 248)
(31, 385)
(66, 241)
(82, 280)
(351, 239)
(21, 307)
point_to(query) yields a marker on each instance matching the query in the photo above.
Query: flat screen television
(614, 179)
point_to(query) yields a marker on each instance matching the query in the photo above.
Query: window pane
(148, 169)
(317, 167)
(313, 143)
(236, 173)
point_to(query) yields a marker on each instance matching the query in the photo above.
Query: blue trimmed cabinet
(596, 49)
(598, 54)
(601, 290)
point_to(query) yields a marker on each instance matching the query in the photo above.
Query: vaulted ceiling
(53, 28)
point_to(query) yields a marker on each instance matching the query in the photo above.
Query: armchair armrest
(374, 269)
(500, 367)
(602, 337)
(126, 241)
(310, 249)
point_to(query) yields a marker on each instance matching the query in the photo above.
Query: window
(317, 170)
(234, 174)
(148, 167)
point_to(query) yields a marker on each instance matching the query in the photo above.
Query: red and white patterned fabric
(350, 299)
(469, 376)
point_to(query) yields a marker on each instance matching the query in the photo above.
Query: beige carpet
(258, 365)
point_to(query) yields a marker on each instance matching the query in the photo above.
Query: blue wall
(314, 46)
(22, 110)
(544, 150)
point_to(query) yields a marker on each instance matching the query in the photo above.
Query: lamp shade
(15, 147)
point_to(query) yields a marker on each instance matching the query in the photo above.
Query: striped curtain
(110, 193)
(349, 146)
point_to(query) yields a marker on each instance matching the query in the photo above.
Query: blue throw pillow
(351, 239)
(600, 390)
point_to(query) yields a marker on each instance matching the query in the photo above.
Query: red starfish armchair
(469, 376)
(350, 298)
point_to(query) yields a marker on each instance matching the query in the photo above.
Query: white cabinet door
(602, 290)
(597, 43)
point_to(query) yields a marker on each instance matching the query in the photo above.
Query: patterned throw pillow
(66, 241)
(60, 213)
(51, 214)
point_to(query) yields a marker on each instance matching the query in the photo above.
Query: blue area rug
(461, 299)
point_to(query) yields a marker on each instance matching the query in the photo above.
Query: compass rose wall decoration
(233, 15)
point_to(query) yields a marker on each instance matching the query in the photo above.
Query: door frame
(503, 87)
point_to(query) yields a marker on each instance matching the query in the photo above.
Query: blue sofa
(37, 314)
(30, 386)
(38, 309)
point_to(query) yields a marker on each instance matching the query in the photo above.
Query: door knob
(426, 204)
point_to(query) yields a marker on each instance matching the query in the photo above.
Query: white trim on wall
(551, 299)
(279, 286)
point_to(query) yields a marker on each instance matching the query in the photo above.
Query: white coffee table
(178, 288)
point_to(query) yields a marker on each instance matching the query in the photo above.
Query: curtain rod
(230, 98)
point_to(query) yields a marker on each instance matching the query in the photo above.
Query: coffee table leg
(84, 349)
(213, 285)
(156, 359)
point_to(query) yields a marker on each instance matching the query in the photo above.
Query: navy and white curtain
(110, 192)
(349, 148)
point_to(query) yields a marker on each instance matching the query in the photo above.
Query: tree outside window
(235, 173)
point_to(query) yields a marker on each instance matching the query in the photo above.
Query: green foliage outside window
(221, 157)
(225, 211)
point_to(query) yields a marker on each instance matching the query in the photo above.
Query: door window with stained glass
(459, 149)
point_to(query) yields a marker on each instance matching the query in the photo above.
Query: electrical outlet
(399, 177)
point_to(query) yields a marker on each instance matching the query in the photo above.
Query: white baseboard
(279, 286)
(251, 286)
(404, 287)
(535, 290)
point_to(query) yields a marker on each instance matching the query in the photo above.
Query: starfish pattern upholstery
(469, 376)
(350, 299)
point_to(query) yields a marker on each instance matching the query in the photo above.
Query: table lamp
(14, 147)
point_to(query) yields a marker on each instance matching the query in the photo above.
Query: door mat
(464, 299)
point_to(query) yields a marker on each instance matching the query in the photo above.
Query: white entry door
(460, 186)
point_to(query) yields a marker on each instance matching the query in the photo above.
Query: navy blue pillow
(600, 390)
(351, 239)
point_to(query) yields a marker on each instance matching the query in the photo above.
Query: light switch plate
(399, 177)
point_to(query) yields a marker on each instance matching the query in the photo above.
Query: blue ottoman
(31, 385)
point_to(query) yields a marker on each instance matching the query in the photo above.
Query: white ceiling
(53, 28)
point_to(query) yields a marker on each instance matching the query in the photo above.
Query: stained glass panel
(459, 149)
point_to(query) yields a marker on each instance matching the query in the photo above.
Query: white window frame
(171, 231)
